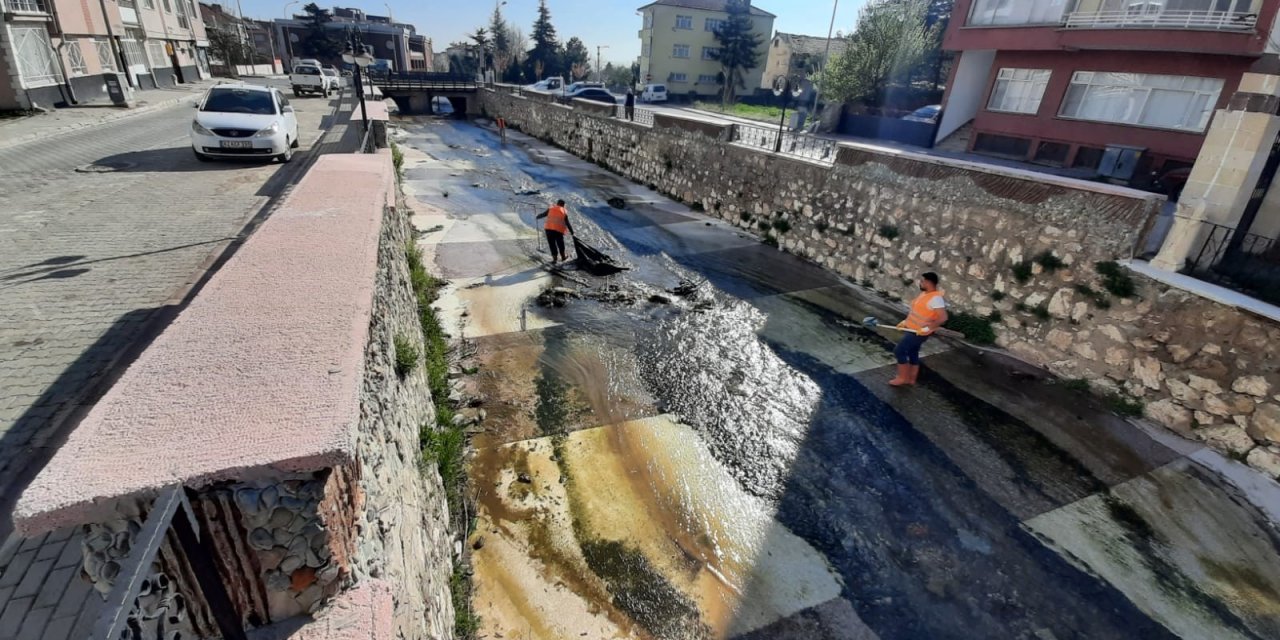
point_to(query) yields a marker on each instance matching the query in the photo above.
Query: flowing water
(705, 447)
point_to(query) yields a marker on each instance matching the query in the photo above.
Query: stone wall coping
(1209, 291)
(363, 613)
(261, 374)
(1023, 174)
(377, 111)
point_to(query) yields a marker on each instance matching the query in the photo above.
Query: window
(644, 50)
(648, 20)
(680, 51)
(157, 55)
(1006, 12)
(1001, 145)
(1088, 158)
(150, 4)
(679, 77)
(133, 52)
(1018, 90)
(713, 25)
(710, 53)
(106, 58)
(182, 14)
(1052, 153)
(709, 78)
(167, 8)
(1166, 102)
(75, 57)
(684, 22)
(35, 57)
(232, 100)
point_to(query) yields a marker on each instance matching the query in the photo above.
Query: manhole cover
(106, 166)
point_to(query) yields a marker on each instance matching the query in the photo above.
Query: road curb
(107, 119)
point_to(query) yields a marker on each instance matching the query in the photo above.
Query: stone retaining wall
(880, 217)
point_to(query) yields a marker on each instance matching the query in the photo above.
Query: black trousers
(555, 240)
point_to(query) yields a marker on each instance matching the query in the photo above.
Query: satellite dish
(781, 85)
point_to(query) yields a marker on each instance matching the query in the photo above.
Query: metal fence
(640, 116)
(801, 145)
(421, 81)
(1162, 19)
(1246, 262)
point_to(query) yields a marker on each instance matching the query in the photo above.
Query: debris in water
(658, 298)
(525, 479)
(556, 297)
(476, 184)
(617, 203)
(478, 544)
(528, 191)
(685, 289)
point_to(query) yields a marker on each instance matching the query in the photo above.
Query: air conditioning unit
(1119, 162)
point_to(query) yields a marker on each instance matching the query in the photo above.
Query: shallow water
(730, 463)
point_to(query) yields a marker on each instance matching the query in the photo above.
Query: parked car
(549, 85)
(237, 121)
(654, 93)
(311, 79)
(579, 86)
(927, 114)
(595, 94)
(309, 62)
(338, 81)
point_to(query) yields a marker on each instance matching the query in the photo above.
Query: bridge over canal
(416, 92)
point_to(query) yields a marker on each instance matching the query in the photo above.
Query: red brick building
(1059, 81)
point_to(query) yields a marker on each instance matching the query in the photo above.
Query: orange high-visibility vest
(921, 315)
(557, 219)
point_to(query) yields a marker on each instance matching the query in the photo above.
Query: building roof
(705, 5)
(812, 45)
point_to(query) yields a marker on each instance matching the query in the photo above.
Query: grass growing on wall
(397, 159)
(751, 112)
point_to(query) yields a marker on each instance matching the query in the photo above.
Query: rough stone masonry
(1020, 244)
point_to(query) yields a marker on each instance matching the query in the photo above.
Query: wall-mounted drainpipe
(115, 46)
(67, 92)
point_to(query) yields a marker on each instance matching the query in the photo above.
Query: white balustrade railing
(1163, 19)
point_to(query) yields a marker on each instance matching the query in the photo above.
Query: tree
(739, 47)
(577, 58)
(616, 77)
(519, 53)
(501, 43)
(484, 56)
(227, 47)
(891, 39)
(319, 41)
(545, 56)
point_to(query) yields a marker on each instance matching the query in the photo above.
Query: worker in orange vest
(928, 313)
(557, 225)
(502, 128)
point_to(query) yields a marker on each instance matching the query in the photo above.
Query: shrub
(1041, 311)
(997, 295)
(781, 225)
(995, 316)
(1079, 385)
(397, 159)
(889, 232)
(1116, 280)
(821, 226)
(763, 225)
(1124, 405)
(1049, 261)
(697, 206)
(1022, 272)
(771, 241)
(976, 329)
(873, 264)
(407, 356)
(746, 216)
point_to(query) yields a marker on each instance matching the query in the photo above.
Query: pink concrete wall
(261, 372)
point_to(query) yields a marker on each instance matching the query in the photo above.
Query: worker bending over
(557, 225)
(928, 313)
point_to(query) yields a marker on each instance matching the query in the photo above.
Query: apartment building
(57, 52)
(796, 55)
(678, 44)
(1060, 82)
(396, 42)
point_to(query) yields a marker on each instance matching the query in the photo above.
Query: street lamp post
(358, 56)
(284, 31)
(599, 69)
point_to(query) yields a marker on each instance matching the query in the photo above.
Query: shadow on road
(170, 160)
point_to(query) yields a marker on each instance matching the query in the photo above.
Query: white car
(238, 121)
(654, 93)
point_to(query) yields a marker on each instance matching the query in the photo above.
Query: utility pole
(826, 57)
(284, 33)
(600, 69)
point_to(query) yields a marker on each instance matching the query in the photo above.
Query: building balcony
(1159, 18)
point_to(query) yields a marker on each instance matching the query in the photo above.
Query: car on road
(549, 85)
(242, 120)
(595, 94)
(312, 79)
(928, 115)
(654, 93)
(335, 76)
(579, 86)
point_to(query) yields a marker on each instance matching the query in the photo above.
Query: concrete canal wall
(275, 402)
(1025, 245)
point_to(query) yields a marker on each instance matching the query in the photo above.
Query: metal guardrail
(641, 116)
(1249, 263)
(1163, 19)
(801, 145)
(422, 81)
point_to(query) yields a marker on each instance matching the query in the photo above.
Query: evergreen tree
(544, 60)
(739, 47)
(891, 39)
(500, 32)
(319, 41)
(577, 58)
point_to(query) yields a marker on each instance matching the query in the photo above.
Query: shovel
(871, 323)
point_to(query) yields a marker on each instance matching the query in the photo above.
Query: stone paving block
(8, 549)
(72, 555)
(79, 593)
(55, 585)
(60, 628)
(17, 568)
(32, 543)
(6, 594)
(34, 579)
(33, 625)
(13, 615)
(51, 550)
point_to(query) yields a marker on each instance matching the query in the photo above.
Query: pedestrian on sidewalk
(928, 313)
(502, 128)
(631, 104)
(557, 225)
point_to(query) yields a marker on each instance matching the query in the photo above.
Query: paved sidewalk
(62, 121)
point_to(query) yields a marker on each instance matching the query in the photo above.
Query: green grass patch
(771, 241)
(1124, 405)
(407, 356)
(1022, 272)
(1041, 311)
(745, 216)
(976, 329)
(466, 624)
(821, 226)
(1116, 280)
(781, 225)
(752, 112)
(995, 316)
(1049, 262)
(397, 159)
(1079, 385)
(763, 225)
(997, 295)
(889, 232)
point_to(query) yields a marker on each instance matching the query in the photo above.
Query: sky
(611, 23)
